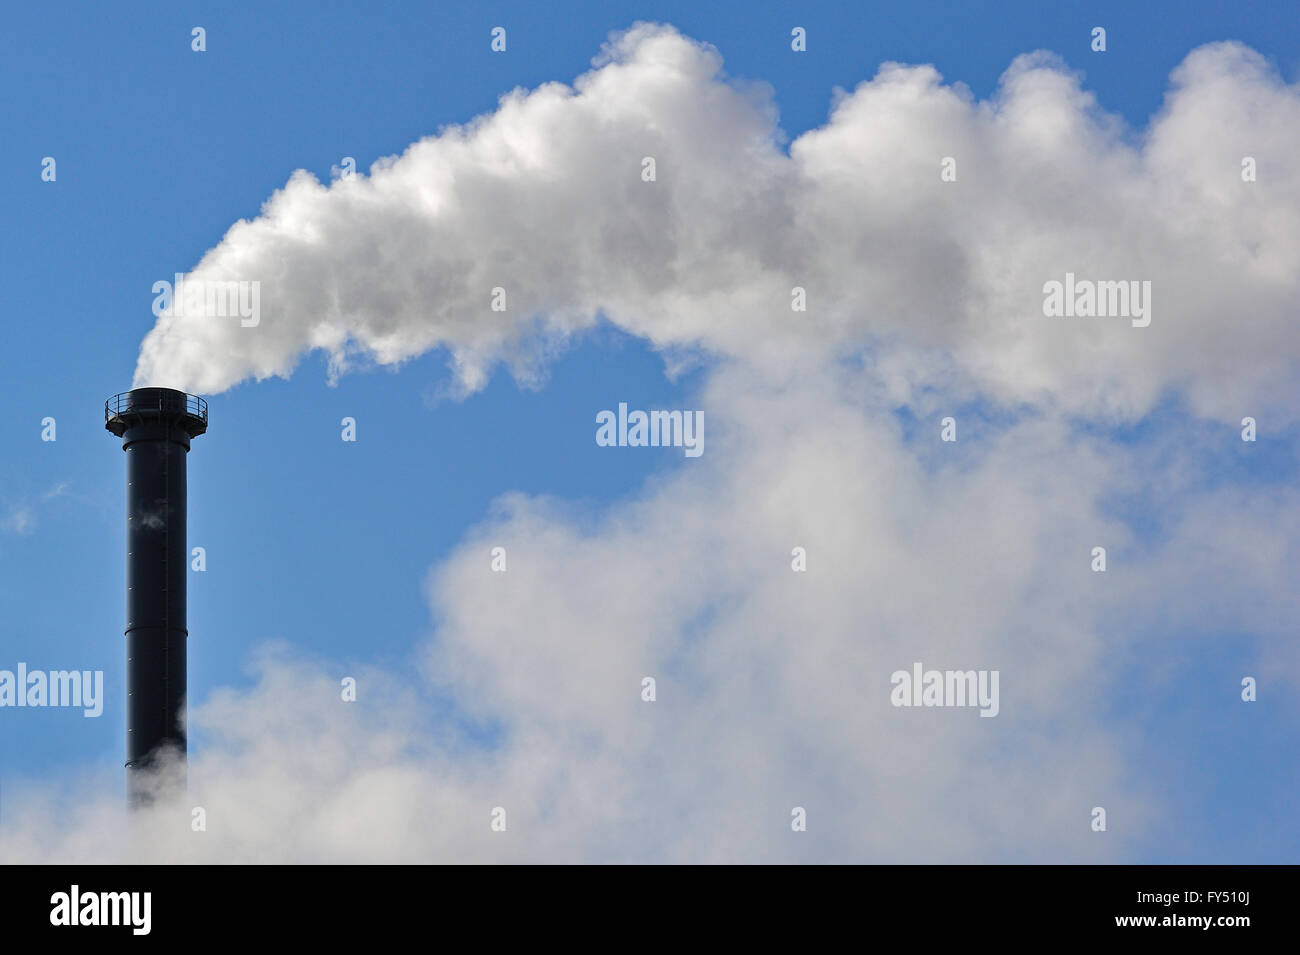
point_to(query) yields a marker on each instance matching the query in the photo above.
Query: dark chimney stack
(156, 426)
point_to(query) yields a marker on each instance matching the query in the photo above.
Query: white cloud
(21, 520)
(22, 517)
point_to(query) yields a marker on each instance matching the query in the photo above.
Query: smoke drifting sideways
(773, 686)
(543, 206)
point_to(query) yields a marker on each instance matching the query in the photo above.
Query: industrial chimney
(155, 425)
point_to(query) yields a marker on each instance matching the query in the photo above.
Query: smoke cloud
(772, 687)
(943, 280)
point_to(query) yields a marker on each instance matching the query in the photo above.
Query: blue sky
(327, 545)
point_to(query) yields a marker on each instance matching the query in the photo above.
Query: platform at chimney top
(155, 404)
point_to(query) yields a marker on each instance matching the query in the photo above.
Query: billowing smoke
(543, 208)
(772, 687)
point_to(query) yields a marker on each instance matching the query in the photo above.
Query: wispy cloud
(21, 520)
(22, 516)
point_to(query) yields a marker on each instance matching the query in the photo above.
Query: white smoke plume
(772, 686)
(545, 199)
